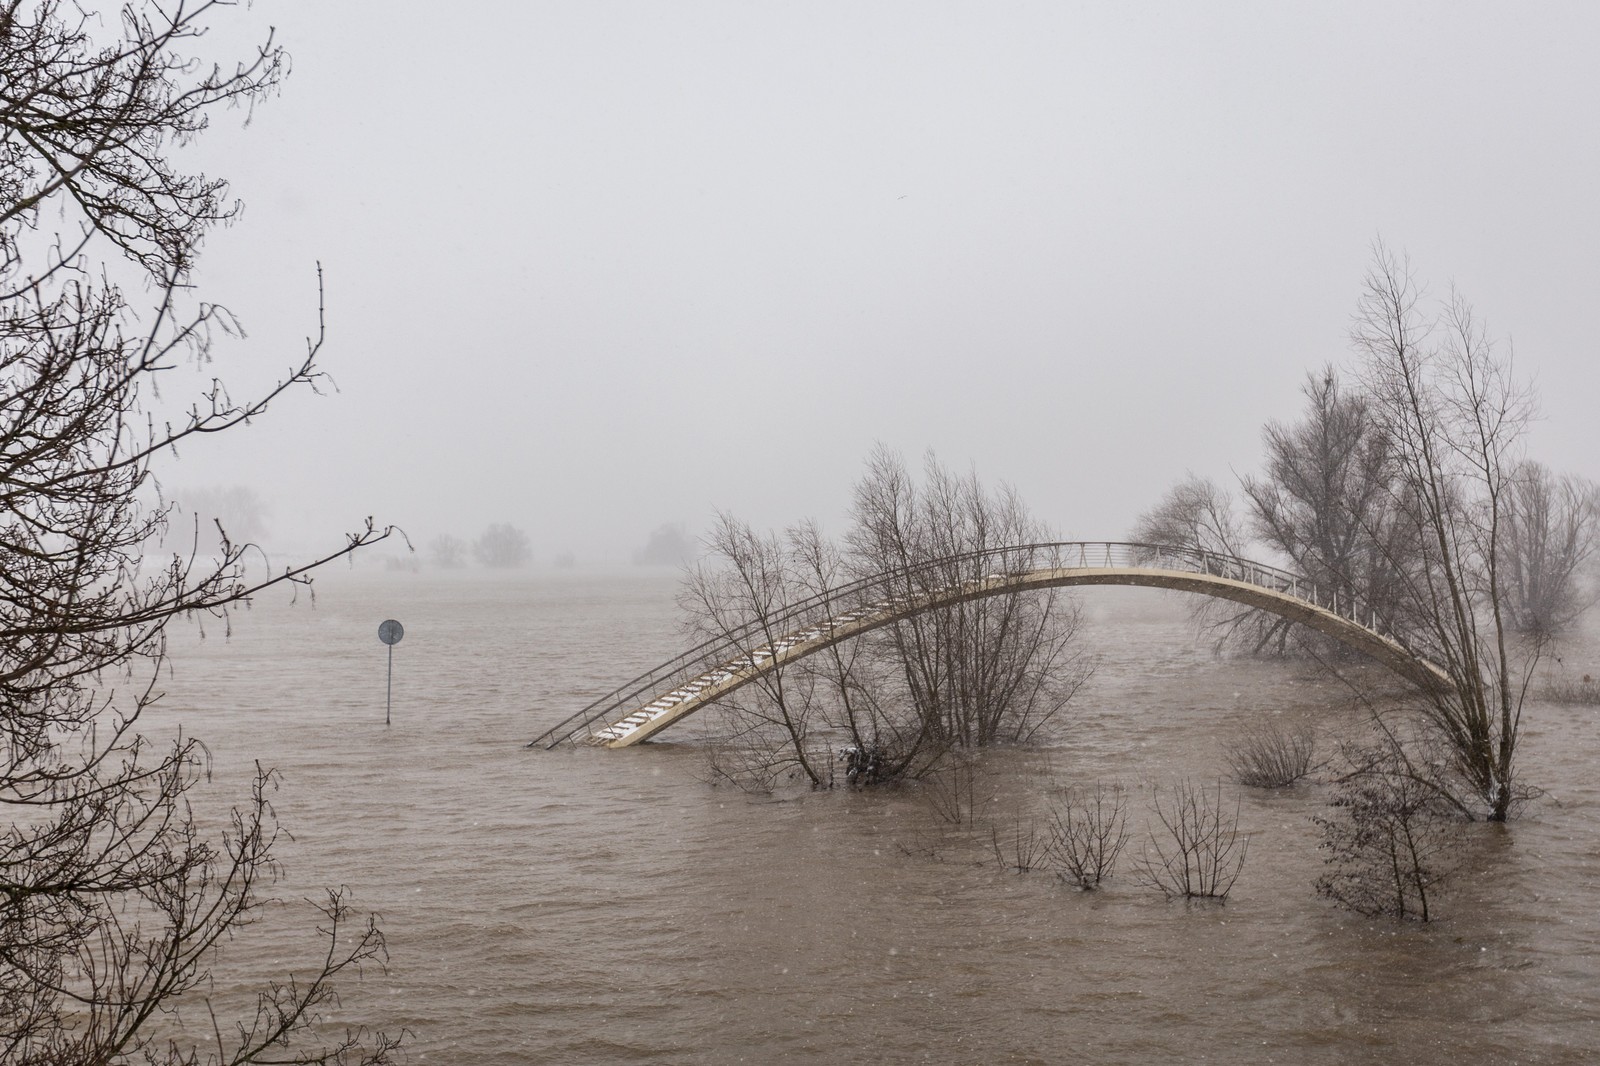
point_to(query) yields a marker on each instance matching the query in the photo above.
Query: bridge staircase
(648, 703)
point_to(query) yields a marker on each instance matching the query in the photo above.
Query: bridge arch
(657, 699)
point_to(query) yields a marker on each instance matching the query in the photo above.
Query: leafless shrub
(1388, 838)
(1198, 851)
(951, 788)
(1273, 755)
(1023, 848)
(745, 769)
(1584, 690)
(1088, 830)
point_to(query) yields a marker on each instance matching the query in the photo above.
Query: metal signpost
(390, 632)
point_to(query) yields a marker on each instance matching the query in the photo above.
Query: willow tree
(114, 902)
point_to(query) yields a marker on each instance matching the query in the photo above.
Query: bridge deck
(657, 699)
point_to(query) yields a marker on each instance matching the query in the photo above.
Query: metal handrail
(878, 590)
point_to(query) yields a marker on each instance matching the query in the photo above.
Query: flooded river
(590, 906)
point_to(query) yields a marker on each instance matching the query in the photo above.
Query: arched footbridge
(658, 698)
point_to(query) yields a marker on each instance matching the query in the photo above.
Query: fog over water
(591, 268)
(595, 267)
(582, 274)
(594, 906)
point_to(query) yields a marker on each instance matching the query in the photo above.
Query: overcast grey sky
(596, 266)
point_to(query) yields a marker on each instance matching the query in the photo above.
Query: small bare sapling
(1197, 851)
(1088, 830)
(1273, 755)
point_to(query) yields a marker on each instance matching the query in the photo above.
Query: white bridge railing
(895, 591)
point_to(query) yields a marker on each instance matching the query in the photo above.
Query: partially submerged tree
(1408, 498)
(1323, 507)
(114, 904)
(974, 671)
(736, 599)
(1454, 414)
(1326, 501)
(963, 674)
(1388, 836)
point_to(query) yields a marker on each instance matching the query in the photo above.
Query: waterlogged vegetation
(906, 699)
(126, 902)
(1406, 496)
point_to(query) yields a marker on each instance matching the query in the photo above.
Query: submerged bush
(1198, 851)
(1088, 830)
(1387, 838)
(1273, 755)
(1584, 690)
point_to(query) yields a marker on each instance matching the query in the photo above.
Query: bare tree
(896, 703)
(447, 552)
(669, 544)
(1453, 414)
(1199, 514)
(1552, 531)
(502, 546)
(238, 509)
(736, 598)
(1388, 836)
(1088, 830)
(1326, 502)
(1198, 851)
(1195, 513)
(114, 904)
(975, 671)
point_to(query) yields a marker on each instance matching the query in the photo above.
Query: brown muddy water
(591, 906)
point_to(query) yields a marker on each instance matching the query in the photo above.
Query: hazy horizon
(591, 269)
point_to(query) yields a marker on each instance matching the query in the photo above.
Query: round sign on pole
(390, 632)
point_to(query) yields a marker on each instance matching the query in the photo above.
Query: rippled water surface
(590, 906)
